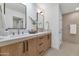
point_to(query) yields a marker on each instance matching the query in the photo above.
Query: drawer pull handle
(23, 47)
(40, 44)
(41, 38)
(27, 46)
(41, 52)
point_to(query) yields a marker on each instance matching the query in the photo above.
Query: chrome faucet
(18, 31)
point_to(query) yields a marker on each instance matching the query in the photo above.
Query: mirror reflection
(40, 18)
(0, 17)
(15, 15)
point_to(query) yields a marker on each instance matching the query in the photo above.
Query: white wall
(52, 15)
(9, 17)
(2, 23)
(31, 11)
(60, 25)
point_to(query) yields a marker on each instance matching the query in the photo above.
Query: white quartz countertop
(5, 40)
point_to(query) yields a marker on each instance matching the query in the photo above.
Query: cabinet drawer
(40, 47)
(32, 47)
(41, 53)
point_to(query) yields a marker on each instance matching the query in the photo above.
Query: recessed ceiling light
(77, 8)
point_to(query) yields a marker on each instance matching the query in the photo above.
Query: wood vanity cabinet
(43, 44)
(39, 45)
(12, 49)
(34, 46)
(49, 40)
(20, 49)
(25, 47)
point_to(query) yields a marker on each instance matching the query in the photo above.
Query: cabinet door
(9, 50)
(12, 49)
(43, 44)
(25, 47)
(32, 47)
(47, 41)
(41, 48)
(20, 49)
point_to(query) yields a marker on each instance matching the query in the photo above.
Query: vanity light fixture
(39, 10)
(77, 8)
(42, 13)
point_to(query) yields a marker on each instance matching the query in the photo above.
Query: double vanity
(15, 39)
(25, 44)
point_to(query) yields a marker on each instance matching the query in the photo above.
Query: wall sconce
(77, 8)
(40, 11)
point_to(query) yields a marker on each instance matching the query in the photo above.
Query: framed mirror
(1, 16)
(40, 20)
(15, 15)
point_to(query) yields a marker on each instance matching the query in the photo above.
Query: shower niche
(17, 22)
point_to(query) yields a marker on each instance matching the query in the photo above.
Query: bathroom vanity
(13, 38)
(26, 44)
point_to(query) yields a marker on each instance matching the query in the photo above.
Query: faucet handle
(22, 32)
(13, 33)
(6, 29)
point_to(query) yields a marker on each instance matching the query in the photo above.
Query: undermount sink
(18, 36)
(3, 37)
(9, 36)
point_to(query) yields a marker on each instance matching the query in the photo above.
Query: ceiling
(68, 7)
(16, 6)
(65, 7)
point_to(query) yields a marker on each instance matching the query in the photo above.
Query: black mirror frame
(25, 16)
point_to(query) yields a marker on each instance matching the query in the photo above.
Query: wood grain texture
(32, 51)
(12, 50)
(35, 46)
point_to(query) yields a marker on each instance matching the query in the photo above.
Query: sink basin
(1, 38)
(18, 36)
(4, 37)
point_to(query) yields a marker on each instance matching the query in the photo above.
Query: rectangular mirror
(0, 17)
(15, 15)
(40, 20)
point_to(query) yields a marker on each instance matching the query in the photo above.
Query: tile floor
(66, 49)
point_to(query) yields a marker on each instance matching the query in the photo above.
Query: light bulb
(77, 8)
(42, 13)
(38, 10)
